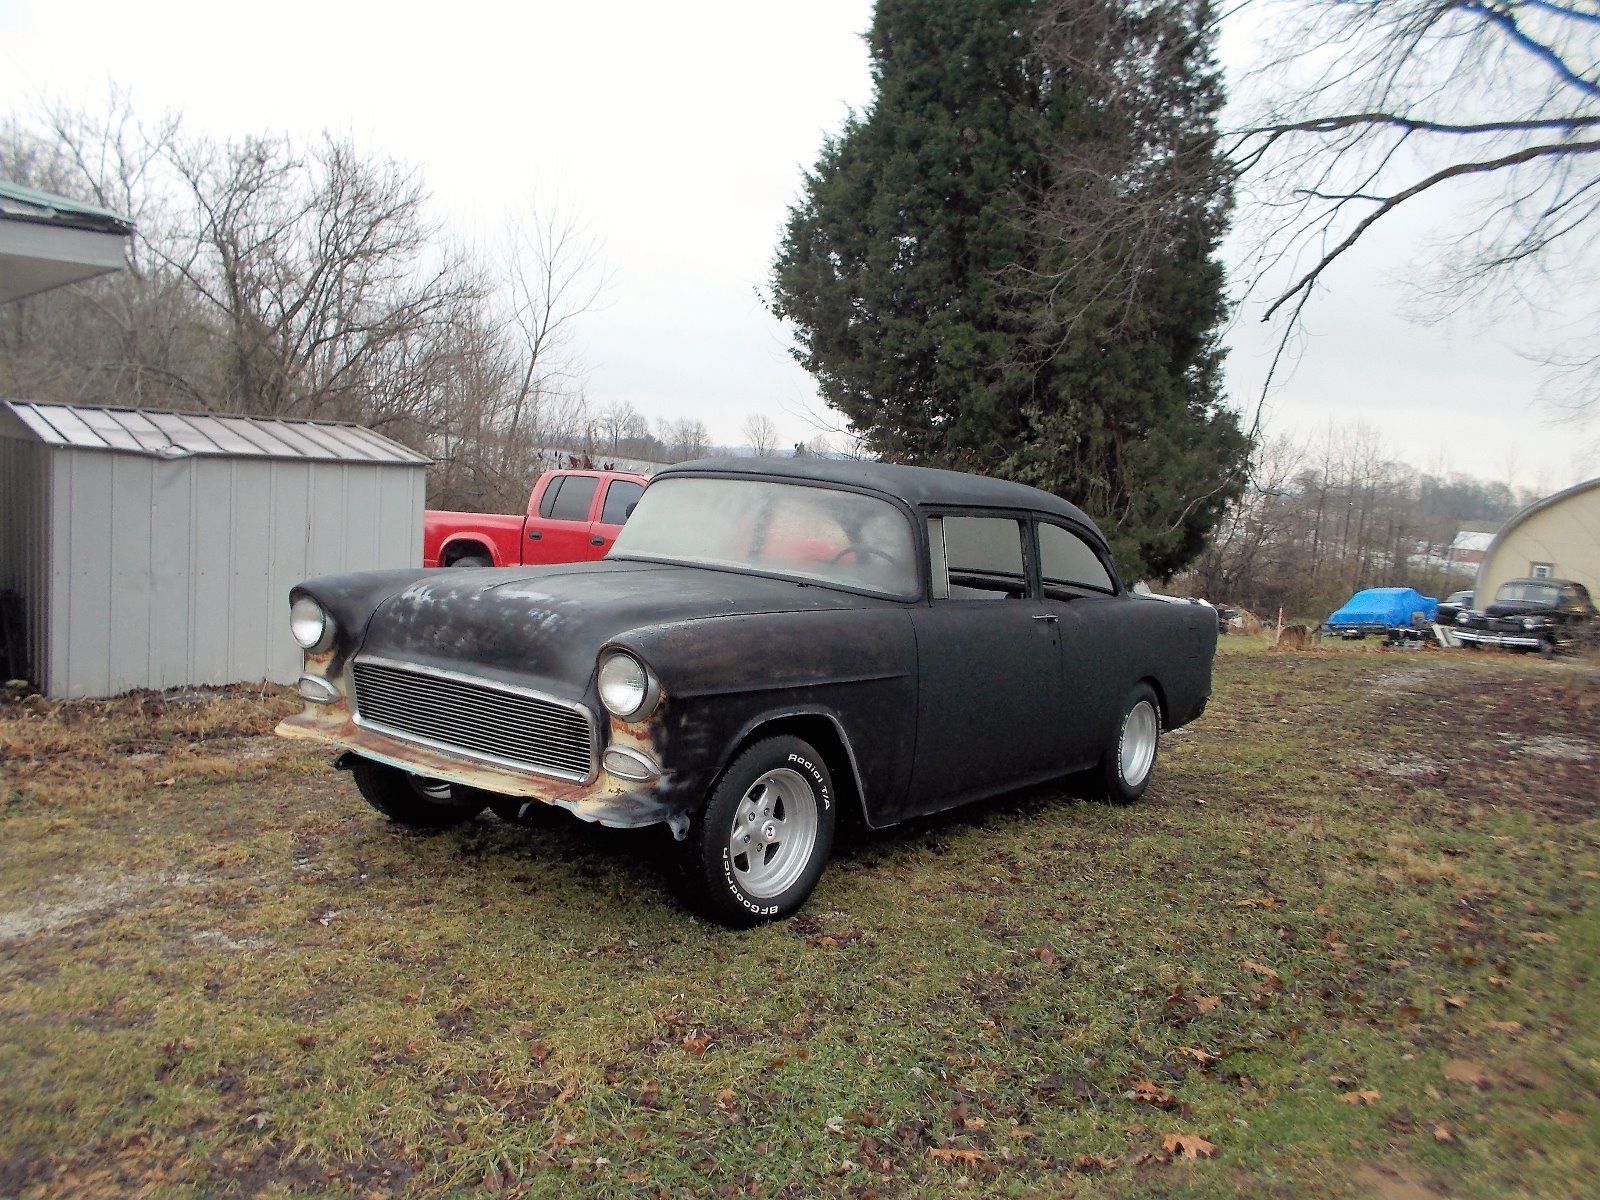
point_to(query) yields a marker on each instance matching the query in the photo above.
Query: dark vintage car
(766, 642)
(1453, 606)
(1531, 614)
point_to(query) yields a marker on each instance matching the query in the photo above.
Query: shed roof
(179, 435)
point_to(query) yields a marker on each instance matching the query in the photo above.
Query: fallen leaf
(1203, 1057)
(1455, 1002)
(1206, 1004)
(696, 1045)
(1046, 955)
(1188, 1145)
(1506, 1026)
(1461, 1070)
(1268, 972)
(1570, 1119)
(1147, 1092)
(1367, 1097)
(1538, 935)
(1442, 1134)
(956, 1154)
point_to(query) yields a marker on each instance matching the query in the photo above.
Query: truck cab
(572, 516)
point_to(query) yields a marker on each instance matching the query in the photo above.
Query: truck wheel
(756, 851)
(414, 800)
(1130, 759)
(472, 560)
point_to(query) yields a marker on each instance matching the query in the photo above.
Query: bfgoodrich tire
(1130, 760)
(757, 850)
(414, 800)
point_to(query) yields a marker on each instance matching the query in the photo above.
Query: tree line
(1326, 518)
(274, 277)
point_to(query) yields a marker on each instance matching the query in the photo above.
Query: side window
(619, 496)
(1541, 570)
(577, 493)
(977, 558)
(1066, 561)
(548, 500)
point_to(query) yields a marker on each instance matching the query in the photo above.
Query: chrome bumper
(1480, 637)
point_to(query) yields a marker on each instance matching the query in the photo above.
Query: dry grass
(223, 976)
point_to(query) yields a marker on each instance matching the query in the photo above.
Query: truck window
(548, 500)
(619, 495)
(577, 493)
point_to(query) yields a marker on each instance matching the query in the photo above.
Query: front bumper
(606, 799)
(1484, 637)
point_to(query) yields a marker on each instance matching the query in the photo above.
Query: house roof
(20, 203)
(914, 485)
(49, 241)
(1468, 541)
(179, 435)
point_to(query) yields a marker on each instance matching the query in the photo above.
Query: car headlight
(1461, 617)
(627, 688)
(310, 624)
(1532, 622)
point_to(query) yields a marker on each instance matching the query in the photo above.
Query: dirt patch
(85, 896)
(1531, 745)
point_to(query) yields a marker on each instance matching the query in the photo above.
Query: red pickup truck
(572, 515)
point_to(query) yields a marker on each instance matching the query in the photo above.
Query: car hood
(1515, 608)
(543, 627)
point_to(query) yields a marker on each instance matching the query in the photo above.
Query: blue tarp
(1388, 607)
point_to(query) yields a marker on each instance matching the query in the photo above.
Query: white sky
(680, 133)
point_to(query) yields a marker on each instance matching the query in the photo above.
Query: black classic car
(1531, 614)
(1453, 606)
(766, 642)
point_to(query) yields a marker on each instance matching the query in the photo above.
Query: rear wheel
(472, 560)
(756, 851)
(1130, 759)
(414, 800)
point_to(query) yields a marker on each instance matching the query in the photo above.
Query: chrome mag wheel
(1136, 749)
(773, 833)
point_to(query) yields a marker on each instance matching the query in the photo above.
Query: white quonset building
(143, 549)
(1555, 538)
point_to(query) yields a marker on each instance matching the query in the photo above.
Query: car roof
(914, 485)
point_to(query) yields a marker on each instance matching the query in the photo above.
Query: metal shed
(156, 549)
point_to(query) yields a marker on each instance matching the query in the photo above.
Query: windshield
(1528, 593)
(819, 533)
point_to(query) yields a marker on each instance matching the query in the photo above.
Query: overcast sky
(680, 133)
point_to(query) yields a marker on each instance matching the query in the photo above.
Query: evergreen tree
(1007, 264)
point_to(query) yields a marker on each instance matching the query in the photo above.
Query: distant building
(1469, 548)
(1555, 538)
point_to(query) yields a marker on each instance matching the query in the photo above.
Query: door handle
(1047, 618)
(534, 535)
(597, 541)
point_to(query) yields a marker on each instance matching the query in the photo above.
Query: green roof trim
(20, 203)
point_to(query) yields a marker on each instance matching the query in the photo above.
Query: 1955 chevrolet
(766, 642)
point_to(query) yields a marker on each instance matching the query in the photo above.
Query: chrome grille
(481, 720)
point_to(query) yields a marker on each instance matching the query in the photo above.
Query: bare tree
(1380, 106)
(684, 438)
(761, 434)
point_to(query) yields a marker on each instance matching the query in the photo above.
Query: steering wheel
(864, 552)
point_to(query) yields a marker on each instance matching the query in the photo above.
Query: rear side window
(619, 496)
(977, 558)
(1066, 562)
(577, 494)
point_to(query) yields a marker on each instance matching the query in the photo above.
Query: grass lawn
(1345, 947)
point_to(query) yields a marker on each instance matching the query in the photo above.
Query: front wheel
(414, 800)
(757, 850)
(1130, 759)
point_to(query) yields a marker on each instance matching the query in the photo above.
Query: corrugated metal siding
(24, 538)
(174, 572)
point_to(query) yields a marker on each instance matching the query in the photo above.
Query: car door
(1077, 586)
(989, 674)
(565, 513)
(621, 495)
